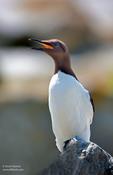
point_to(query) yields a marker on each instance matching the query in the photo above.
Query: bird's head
(58, 51)
(53, 47)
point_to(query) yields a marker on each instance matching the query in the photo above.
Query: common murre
(70, 104)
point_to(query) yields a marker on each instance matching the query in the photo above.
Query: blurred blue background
(26, 136)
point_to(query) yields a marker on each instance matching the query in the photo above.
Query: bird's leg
(82, 142)
(74, 140)
(79, 139)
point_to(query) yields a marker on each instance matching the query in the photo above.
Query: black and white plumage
(70, 103)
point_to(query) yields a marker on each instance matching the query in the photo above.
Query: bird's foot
(74, 140)
(82, 142)
(71, 141)
(79, 139)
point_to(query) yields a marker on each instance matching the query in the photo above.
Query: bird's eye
(59, 45)
(56, 44)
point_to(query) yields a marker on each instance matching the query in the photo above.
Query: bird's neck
(64, 65)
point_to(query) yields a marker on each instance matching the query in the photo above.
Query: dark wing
(92, 102)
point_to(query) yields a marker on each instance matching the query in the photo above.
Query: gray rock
(81, 158)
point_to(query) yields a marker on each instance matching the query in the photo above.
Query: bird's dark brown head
(53, 47)
(58, 51)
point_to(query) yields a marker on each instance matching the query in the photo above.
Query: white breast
(70, 108)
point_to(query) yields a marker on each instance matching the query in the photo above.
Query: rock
(81, 158)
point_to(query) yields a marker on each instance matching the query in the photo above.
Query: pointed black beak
(43, 44)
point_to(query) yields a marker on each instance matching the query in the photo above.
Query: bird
(70, 103)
